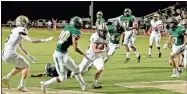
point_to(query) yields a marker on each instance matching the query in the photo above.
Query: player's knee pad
(150, 46)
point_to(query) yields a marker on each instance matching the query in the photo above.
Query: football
(100, 46)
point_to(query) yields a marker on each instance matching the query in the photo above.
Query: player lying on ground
(98, 44)
(127, 21)
(180, 36)
(69, 36)
(114, 31)
(9, 54)
(155, 30)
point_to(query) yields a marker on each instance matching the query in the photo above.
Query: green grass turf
(153, 69)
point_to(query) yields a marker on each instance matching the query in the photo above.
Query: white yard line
(171, 85)
(37, 90)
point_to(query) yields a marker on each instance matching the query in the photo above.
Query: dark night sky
(66, 9)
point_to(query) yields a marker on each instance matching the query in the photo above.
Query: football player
(180, 36)
(94, 53)
(10, 56)
(128, 20)
(69, 36)
(115, 30)
(156, 28)
(99, 19)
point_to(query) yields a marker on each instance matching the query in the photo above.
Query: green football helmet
(22, 21)
(76, 22)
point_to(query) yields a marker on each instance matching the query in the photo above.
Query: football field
(150, 76)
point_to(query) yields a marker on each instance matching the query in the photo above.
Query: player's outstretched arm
(37, 40)
(75, 46)
(32, 59)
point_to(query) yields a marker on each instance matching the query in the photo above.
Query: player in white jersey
(156, 28)
(10, 56)
(94, 53)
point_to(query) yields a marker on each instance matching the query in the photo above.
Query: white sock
(22, 82)
(95, 82)
(136, 53)
(128, 54)
(175, 70)
(52, 80)
(79, 78)
(8, 76)
(150, 51)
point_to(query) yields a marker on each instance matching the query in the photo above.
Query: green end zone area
(116, 71)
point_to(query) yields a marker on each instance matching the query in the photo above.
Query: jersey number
(63, 37)
(115, 38)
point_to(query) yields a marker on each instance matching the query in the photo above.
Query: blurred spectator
(49, 25)
(32, 23)
(54, 23)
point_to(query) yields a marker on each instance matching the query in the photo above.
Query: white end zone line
(182, 83)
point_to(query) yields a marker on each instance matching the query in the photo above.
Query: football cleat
(127, 60)
(149, 56)
(22, 88)
(139, 58)
(96, 86)
(43, 87)
(160, 54)
(6, 82)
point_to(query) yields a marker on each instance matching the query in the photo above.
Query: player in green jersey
(180, 36)
(115, 30)
(128, 21)
(99, 19)
(69, 36)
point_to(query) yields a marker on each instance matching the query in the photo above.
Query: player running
(10, 56)
(180, 45)
(98, 45)
(156, 27)
(115, 30)
(69, 36)
(128, 21)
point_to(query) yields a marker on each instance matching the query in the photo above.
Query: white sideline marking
(37, 90)
(172, 85)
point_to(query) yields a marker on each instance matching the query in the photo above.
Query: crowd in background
(178, 12)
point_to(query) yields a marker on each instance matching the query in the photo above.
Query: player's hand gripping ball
(100, 46)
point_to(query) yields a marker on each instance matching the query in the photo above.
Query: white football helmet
(127, 12)
(99, 14)
(22, 21)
